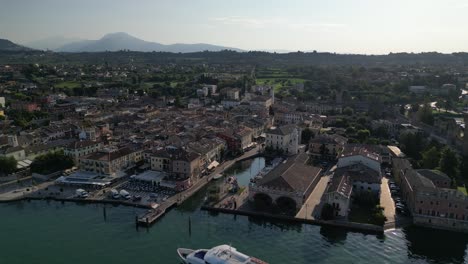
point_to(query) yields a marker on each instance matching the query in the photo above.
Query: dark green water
(55, 232)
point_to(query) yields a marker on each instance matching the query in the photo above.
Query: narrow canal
(55, 232)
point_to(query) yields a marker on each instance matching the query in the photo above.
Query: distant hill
(123, 41)
(6, 45)
(51, 43)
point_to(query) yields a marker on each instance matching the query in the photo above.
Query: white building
(363, 166)
(81, 148)
(284, 138)
(355, 154)
(2, 101)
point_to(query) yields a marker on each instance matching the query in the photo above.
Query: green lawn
(462, 189)
(68, 84)
(279, 83)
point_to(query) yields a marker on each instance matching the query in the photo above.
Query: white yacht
(223, 254)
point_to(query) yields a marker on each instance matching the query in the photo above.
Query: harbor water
(55, 232)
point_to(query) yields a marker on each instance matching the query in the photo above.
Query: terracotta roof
(81, 144)
(109, 156)
(291, 175)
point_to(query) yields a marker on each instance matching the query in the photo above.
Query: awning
(213, 164)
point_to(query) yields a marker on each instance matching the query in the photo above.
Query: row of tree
(430, 154)
(7, 165)
(51, 162)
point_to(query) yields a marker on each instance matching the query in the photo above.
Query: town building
(326, 147)
(81, 148)
(289, 183)
(285, 138)
(430, 198)
(183, 167)
(110, 160)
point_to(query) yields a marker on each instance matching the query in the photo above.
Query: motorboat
(223, 254)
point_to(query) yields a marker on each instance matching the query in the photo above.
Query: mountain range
(119, 41)
(51, 43)
(6, 45)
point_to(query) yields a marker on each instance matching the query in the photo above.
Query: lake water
(56, 232)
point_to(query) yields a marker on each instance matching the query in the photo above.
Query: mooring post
(190, 226)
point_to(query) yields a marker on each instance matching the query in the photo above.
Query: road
(386, 201)
(312, 206)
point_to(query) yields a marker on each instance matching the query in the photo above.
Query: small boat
(218, 176)
(223, 254)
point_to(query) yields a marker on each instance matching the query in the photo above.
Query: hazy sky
(345, 26)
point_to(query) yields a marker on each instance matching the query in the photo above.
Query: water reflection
(333, 234)
(436, 245)
(275, 224)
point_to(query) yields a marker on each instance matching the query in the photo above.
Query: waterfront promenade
(48, 190)
(154, 214)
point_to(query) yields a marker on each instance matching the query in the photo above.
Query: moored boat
(223, 254)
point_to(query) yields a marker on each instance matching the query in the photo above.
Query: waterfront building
(110, 161)
(430, 198)
(289, 184)
(81, 148)
(182, 166)
(358, 171)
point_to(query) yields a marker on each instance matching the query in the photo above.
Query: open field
(279, 83)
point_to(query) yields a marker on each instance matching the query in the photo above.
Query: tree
(448, 163)
(464, 167)
(177, 101)
(363, 134)
(348, 111)
(307, 134)
(430, 158)
(412, 144)
(378, 216)
(51, 162)
(328, 212)
(7, 165)
(425, 114)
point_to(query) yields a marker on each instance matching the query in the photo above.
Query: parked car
(115, 194)
(80, 193)
(136, 198)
